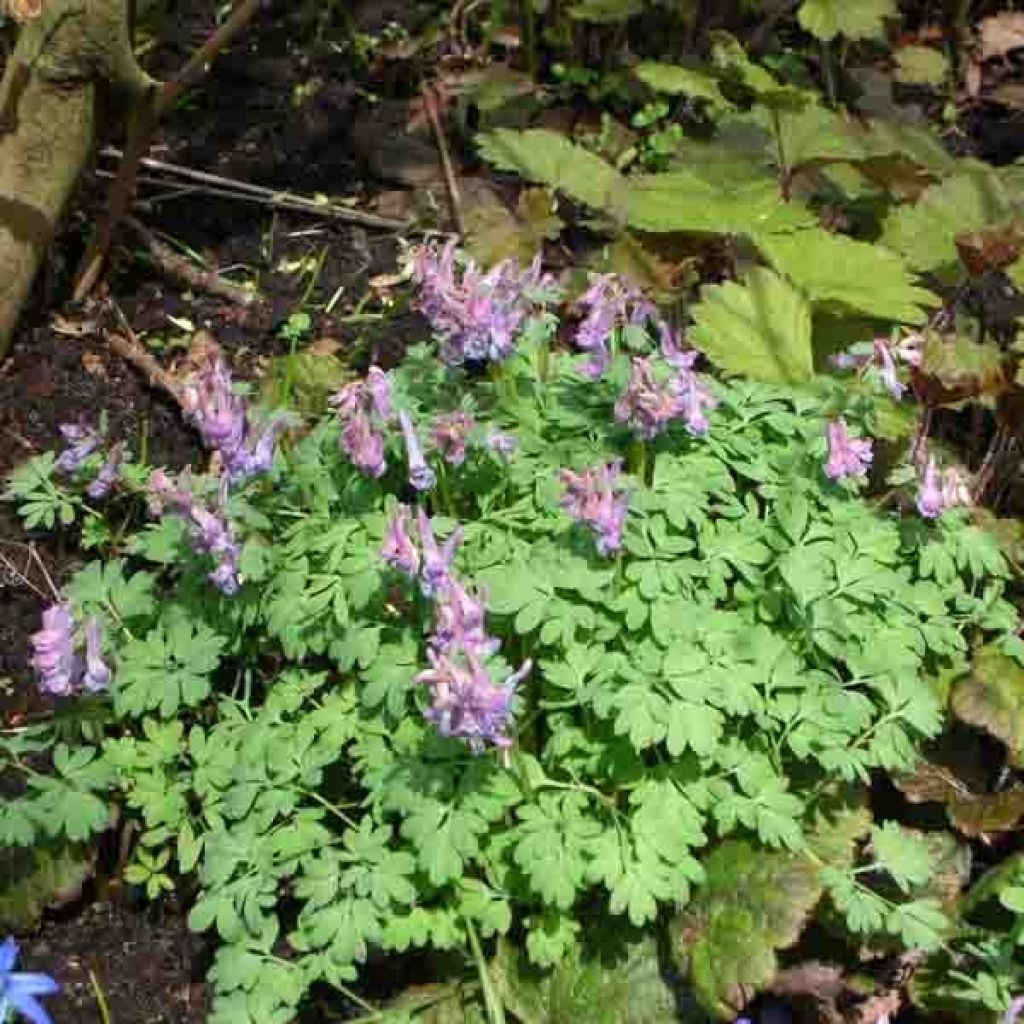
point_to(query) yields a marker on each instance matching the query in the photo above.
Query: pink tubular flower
(54, 652)
(378, 385)
(436, 571)
(477, 316)
(939, 491)
(450, 434)
(97, 673)
(467, 703)
(460, 623)
(847, 456)
(398, 549)
(209, 531)
(363, 445)
(222, 418)
(647, 405)
(884, 357)
(108, 475)
(421, 476)
(60, 670)
(504, 445)
(611, 303)
(82, 441)
(593, 498)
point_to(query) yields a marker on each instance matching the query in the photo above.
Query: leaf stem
(492, 1001)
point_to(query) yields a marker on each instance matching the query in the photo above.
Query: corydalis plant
(610, 304)
(62, 668)
(223, 419)
(596, 499)
(366, 411)
(477, 316)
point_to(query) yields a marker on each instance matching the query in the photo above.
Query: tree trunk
(48, 120)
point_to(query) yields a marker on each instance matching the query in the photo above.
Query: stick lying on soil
(232, 188)
(183, 269)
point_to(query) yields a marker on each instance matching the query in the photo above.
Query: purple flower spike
(502, 444)
(466, 702)
(451, 432)
(930, 500)
(378, 384)
(97, 672)
(610, 303)
(647, 405)
(939, 491)
(398, 549)
(363, 445)
(108, 475)
(19, 990)
(887, 368)
(54, 652)
(594, 498)
(847, 456)
(480, 316)
(437, 561)
(222, 419)
(1014, 1010)
(421, 476)
(694, 401)
(82, 441)
(460, 624)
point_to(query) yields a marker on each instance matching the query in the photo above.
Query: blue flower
(18, 990)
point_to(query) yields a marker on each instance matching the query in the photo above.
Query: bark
(48, 118)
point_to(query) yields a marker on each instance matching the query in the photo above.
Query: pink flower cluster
(478, 316)
(610, 303)
(884, 358)
(465, 700)
(60, 667)
(222, 418)
(595, 498)
(847, 456)
(653, 399)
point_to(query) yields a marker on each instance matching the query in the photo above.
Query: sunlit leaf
(992, 698)
(865, 19)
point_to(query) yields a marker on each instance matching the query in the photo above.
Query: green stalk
(492, 1001)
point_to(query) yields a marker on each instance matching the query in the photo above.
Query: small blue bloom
(18, 990)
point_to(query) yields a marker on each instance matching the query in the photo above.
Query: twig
(430, 105)
(101, 999)
(233, 188)
(144, 124)
(183, 269)
(129, 348)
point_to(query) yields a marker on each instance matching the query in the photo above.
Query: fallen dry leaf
(1001, 33)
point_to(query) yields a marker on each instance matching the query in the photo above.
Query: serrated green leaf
(902, 854)
(921, 65)
(551, 159)
(675, 80)
(833, 269)
(761, 329)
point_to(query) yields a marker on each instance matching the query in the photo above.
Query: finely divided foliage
(639, 630)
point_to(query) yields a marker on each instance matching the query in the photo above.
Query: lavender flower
(938, 492)
(460, 623)
(694, 400)
(847, 456)
(610, 303)
(209, 531)
(54, 652)
(378, 386)
(19, 989)
(450, 434)
(108, 475)
(363, 445)
(884, 357)
(421, 476)
(436, 571)
(593, 498)
(466, 702)
(1014, 1010)
(398, 549)
(59, 668)
(82, 441)
(97, 673)
(222, 419)
(480, 316)
(501, 444)
(647, 405)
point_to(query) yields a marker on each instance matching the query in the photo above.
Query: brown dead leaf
(1001, 33)
(993, 248)
(94, 365)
